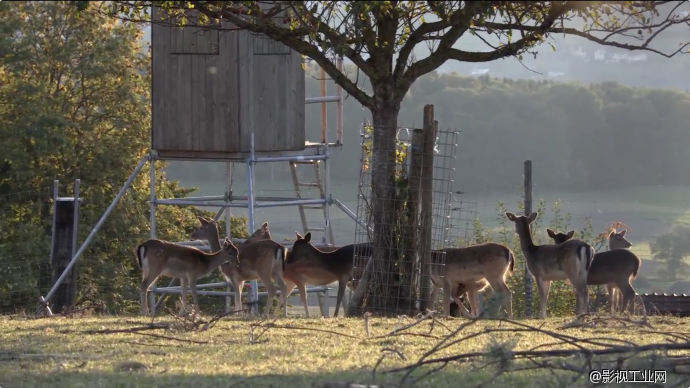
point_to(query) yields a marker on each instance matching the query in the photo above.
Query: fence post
(64, 239)
(528, 211)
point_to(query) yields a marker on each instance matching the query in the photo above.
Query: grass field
(70, 352)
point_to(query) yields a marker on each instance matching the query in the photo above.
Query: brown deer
(615, 267)
(307, 264)
(472, 291)
(469, 265)
(570, 260)
(259, 258)
(158, 257)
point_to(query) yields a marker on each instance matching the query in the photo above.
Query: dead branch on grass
(581, 352)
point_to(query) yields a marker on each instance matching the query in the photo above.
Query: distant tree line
(579, 137)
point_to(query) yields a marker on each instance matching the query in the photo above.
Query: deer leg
(283, 295)
(341, 293)
(195, 295)
(433, 298)
(473, 299)
(543, 286)
(628, 293)
(447, 287)
(611, 288)
(239, 286)
(183, 294)
(146, 282)
(583, 297)
(271, 289)
(302, 287)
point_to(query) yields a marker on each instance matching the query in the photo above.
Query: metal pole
(75, 218)
(95, 230)
(152, 232)
(56, 190)
(528, 211)
(250, 220)
(228, 220)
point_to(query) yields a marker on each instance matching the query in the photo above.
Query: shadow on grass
(157, 377)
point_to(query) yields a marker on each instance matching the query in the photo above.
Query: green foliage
(673, 248)
(75, 103)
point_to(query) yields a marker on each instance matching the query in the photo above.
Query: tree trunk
(387, 292)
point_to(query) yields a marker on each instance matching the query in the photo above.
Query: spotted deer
(615, 268)
(258, 258)
(490, 261)
(570, 260)
(162, 258)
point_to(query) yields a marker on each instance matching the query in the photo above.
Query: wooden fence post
(528, 211)
(426, 208)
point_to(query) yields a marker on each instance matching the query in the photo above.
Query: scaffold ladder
(326, 229)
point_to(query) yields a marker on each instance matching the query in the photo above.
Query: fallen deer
(615, 267)
(259, 258)
(489, 261)
(570, 260)
(158, 257)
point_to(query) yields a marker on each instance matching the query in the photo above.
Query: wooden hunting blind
(214, 86)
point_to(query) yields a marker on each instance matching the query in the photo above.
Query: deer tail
(636, 268)
(511, 261)
(141, 253)
(586, 254)
(281, 254)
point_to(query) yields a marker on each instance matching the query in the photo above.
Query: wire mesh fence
(405, 206)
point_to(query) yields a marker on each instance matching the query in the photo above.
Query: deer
(158, 257)
(259, 258)
(472, 291)
(307, 264)
(615, 267)
(570, 260)
(490, 262)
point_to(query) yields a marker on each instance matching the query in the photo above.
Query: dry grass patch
(236, 352)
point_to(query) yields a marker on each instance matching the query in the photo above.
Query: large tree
(380, 38)
(74, 103)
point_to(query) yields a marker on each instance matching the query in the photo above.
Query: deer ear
(613, 232)
(202, 220)
(623, 232)
(307, 237)
(299, 236)
(550, 233)
(570, 234)
(510, 216)
(264, 226)
(533, 217)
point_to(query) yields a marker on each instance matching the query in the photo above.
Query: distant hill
(576, 60)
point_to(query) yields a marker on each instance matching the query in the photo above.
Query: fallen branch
(155, 326)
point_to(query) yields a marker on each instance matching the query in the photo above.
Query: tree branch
(296, 43)
(460, 21)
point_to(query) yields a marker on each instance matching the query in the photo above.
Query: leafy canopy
(379, 37)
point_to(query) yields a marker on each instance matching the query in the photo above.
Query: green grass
(54, 352)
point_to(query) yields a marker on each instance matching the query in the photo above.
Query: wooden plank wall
(257, 85)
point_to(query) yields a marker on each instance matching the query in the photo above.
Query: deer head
(522, 222)
(299, 246)
(261, 234)
(617, 240)
(207, 231)
(560, 238)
